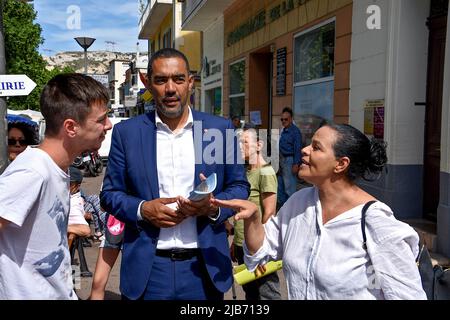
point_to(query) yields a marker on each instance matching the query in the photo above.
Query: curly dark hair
(367, 156)
(31, 136)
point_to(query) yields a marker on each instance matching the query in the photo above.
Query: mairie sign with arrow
(15, 85)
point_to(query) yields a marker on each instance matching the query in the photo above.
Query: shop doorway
(213, 101)
(260, 86)
(437, 24)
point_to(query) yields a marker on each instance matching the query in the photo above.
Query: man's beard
(170, 112)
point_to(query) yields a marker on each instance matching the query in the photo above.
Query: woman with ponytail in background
(318, 232)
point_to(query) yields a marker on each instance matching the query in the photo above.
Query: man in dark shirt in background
(290, 156)
(236, 122)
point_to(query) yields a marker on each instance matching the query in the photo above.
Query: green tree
(22, 40)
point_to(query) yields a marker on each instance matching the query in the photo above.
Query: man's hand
(160, 215)
(203, 207)
(229, 228)
(295, 168)
(232, 255)
(87, 216)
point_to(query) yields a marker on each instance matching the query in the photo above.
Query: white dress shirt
(329, 261)
(175, 160)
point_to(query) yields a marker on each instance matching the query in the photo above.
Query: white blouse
(329, 261)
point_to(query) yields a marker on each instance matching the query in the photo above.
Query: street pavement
(91, 185)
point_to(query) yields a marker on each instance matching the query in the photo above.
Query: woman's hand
(260, 270)
(253, 229)
(244, 208)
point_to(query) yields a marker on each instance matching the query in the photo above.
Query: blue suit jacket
(131, 177)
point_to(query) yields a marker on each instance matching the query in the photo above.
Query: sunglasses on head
(13, 142)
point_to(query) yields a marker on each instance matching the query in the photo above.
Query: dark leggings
(265, 288)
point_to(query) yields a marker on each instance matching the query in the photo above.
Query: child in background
(107, 255)
(77, 216)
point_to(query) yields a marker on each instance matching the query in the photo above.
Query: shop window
(217, 110)
(237, 88)
(213, 101)
(314, 78)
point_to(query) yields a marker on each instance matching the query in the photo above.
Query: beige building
(116, 76)
(160, 24)
(288, 53)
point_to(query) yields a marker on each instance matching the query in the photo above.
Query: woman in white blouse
(318, 232)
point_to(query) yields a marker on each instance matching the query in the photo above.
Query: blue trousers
(287, 182)
(180, 280)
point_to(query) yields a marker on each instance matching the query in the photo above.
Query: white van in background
(106, 144)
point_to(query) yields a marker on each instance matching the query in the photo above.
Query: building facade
(382, 66)
(206, 16)
(133, 88)
(160, 24)
(287, 53)
(399, 91)
(116, 76)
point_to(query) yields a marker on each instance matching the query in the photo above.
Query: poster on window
(374, 118)
(255, 117)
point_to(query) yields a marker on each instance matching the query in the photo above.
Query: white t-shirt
(76, 215)
(34, 256)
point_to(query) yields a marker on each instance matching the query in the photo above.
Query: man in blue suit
(173, 248)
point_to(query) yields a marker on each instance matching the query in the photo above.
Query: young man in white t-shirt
(34, 191)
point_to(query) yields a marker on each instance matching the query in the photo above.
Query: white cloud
(53, 15)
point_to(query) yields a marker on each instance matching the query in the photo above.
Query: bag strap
(363, 222)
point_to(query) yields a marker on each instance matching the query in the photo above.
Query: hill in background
(98, 61)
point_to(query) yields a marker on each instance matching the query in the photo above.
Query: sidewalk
(112, 288)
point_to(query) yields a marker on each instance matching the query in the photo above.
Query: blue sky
(105, 20)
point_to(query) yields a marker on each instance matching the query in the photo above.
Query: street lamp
(85, 43)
